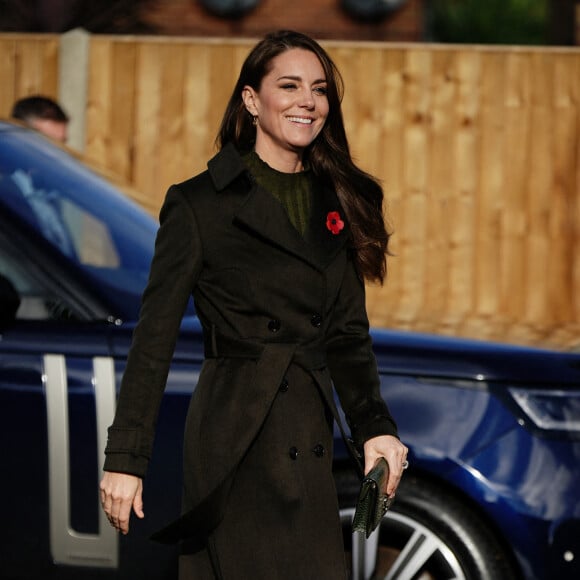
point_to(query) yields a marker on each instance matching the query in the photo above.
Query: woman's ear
(249, 97)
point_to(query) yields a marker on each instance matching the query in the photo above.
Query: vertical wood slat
(564, 190)
(37, 67)
(574, 67)
(196, 110)
(168, 123)
(462, 209)
(146, 123)
(122, 105)
(414, 219)
(477, 149)
(8, 92)
(382, 301)
(28, 65)
(99, 101)
(111, 106)
(490, 186)
(516, 164)
(540, 169)
(440, 118)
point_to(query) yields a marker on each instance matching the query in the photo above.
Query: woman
(274, 241)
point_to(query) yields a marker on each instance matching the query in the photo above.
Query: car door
(57, 395)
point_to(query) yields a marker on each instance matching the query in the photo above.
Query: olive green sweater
(292, 190)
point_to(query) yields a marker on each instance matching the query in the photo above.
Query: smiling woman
(289, 109)
(274, 241)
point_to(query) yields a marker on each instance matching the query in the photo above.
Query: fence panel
(477, 149)
(28, 65)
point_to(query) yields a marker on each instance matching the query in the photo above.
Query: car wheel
(428, 534)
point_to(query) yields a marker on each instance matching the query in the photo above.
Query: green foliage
(490, 21)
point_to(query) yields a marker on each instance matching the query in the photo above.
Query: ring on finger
(405, 464)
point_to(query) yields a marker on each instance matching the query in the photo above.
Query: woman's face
(291, 107)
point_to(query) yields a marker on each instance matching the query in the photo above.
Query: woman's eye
(320, 90)
(289, 86)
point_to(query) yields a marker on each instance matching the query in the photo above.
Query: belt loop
(214, 348)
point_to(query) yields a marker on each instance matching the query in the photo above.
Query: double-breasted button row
(318, 450)
(275, 325)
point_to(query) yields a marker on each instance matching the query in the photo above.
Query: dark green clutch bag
(372, 503)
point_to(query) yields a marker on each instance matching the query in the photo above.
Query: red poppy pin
(334, 223)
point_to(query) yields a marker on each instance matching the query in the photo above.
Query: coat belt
(217, 345)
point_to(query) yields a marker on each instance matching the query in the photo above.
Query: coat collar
(262, 213)
(225, 167)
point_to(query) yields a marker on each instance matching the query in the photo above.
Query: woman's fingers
(119, 493)
(138, 504)
(393, 451)
(394, 480)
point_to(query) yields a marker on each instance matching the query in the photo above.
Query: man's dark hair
(38, 107)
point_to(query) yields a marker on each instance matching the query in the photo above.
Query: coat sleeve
(353, 365)
(174, 270)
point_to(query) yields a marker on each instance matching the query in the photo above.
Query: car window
(95, 227)
(73, 229)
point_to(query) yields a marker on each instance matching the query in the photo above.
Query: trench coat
(273, 304)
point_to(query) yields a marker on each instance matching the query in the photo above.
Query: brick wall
(323, 19)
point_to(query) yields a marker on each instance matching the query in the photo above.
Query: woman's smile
(301, 120)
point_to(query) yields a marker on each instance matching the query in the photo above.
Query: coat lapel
(319, 237)
(265, 216)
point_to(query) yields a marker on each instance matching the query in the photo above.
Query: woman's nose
(307, 100)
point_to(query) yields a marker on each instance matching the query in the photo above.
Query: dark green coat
(269, 300)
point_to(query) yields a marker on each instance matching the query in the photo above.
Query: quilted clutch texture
(372, 503)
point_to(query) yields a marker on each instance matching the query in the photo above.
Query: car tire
(428, 534)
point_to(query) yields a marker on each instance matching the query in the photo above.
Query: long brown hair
(360, 194)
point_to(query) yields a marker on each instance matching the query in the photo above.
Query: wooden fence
(28, 64)
(477, 149)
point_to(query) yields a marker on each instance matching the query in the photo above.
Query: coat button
(293, 452)
(316, 320)
(319, 450)
(284, 385)
(274, 325)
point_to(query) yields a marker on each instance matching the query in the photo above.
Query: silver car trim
(66, 544)
(364, 554)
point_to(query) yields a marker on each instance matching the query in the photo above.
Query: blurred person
(43, 114)
(274, 240)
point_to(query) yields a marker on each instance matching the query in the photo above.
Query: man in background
(44, 115)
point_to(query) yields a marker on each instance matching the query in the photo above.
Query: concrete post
(73, 78)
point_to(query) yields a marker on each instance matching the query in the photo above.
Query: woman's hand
(393, 451)
(119, 493)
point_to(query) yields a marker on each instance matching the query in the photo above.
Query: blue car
(493, 487)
